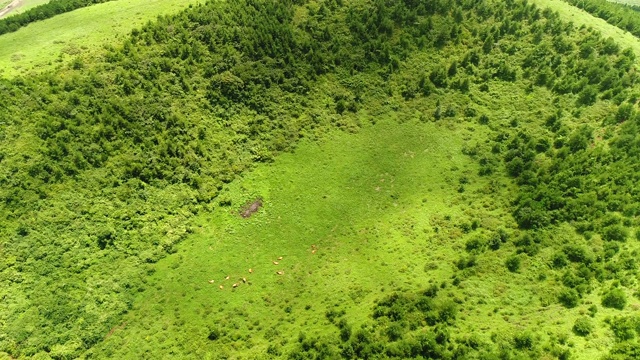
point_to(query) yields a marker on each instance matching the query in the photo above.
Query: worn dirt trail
(12, 6)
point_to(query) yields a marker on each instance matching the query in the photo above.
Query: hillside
(52, 43)
(326, 179)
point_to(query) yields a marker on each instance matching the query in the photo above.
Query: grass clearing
(364, 200)
(46, 44)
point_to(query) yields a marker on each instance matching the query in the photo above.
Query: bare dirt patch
(250, 208)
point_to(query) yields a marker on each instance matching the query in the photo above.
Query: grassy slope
(28, 4)
(581, 17)
(45, 44)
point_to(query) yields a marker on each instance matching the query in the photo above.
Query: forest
(106, 163)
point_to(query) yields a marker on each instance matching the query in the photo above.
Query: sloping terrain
(436, 179)
(55, 42)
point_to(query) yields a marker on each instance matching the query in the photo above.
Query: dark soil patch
(250, 208)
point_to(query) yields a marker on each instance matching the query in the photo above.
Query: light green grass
(580, 17)
(628, 2)
(45, 44)
(28, 4)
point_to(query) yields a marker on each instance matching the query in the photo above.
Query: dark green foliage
(513, 263)
(569, 298)
(559, 260)
(615, 233)
(583, 326)
(624, 327)
(614, 298)
(466, 262)
(523, 341)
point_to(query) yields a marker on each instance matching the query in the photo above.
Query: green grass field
(47, 44)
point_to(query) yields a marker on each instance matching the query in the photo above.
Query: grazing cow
(221, 287)
(250, 271)
(244, 280)
(280, 272)
(235, 285)
(275, 263)
(211, 281)
(280, 258)
(227, 278)
(313, 251)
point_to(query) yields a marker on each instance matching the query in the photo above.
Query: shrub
(624, 328)
(559, 260)
(615, 298)
(583, 326)
(615, 233)
(523, 341)
(513, 263)
(466, 262)
(569, 298)
(475, 245)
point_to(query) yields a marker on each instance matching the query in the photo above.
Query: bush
(615, 298)
(569, 298)
(523, 341)
(513, 263)
(615, 233)
(475, 245)
(624, 328)
(559, 260)
(583, 326)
